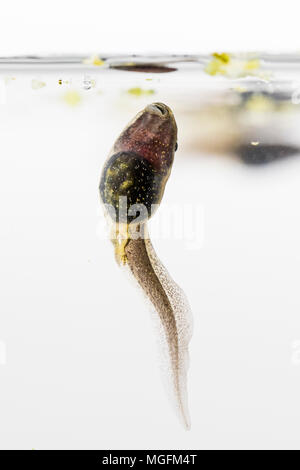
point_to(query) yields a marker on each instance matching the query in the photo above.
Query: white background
(191, 26)
(80, 371)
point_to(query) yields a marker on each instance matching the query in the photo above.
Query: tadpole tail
(173, 311)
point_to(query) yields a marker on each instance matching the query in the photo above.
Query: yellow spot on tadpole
(111, 171)
(72, 98)
(137, 91)
(255, 143)
(94, 60)
(123, 166)
(37, 84)
(126, 184)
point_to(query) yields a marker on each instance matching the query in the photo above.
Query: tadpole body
(132, 185)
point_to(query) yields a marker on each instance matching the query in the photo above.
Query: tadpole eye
(176, 146)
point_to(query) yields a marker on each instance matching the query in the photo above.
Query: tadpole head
(139, 164)
(152, 135)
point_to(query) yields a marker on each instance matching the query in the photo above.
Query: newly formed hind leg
(120, 237)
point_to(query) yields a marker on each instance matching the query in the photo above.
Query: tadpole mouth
(159, 108)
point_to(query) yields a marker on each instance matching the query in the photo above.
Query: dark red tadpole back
(152, 135)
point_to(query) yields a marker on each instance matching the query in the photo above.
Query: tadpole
(132, 185)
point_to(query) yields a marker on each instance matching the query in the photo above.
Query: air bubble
(88, 83)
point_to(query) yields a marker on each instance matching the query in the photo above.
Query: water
(77, 348)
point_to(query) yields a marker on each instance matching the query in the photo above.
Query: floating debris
(37, 84)
(88, 83)
(265, 102)
(231, 67)
(94, 60)
(240, 89)
(137, 91)
(72, 98)
(64, 82)
(8, 80)
(145, 68)
(260, 103)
